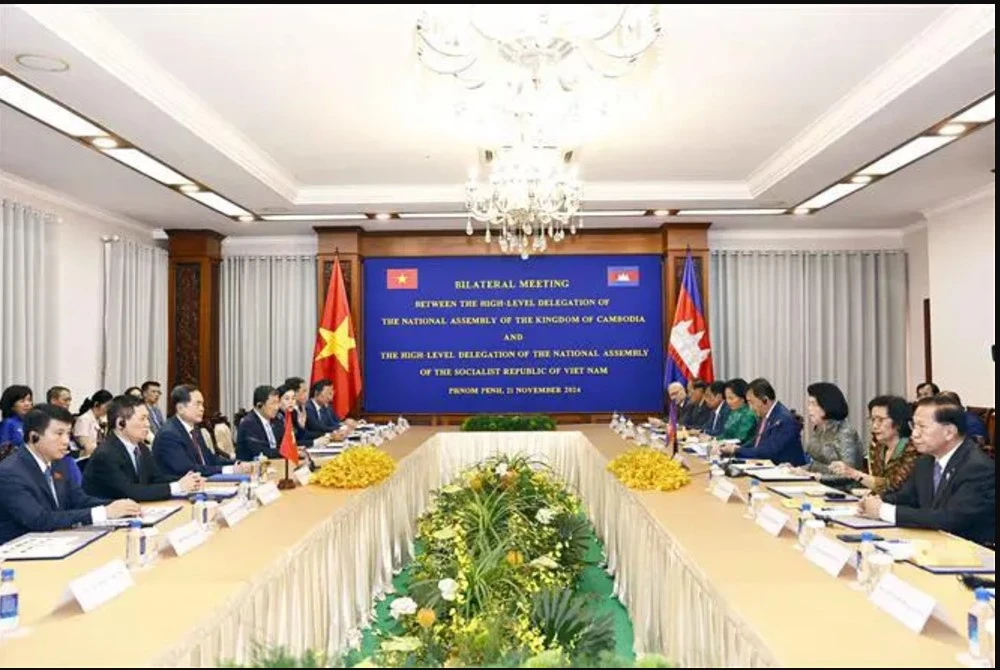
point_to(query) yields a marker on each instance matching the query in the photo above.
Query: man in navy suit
(179, 447)
(715, 400)
(319, 411)
(778, 437)
(258, 433)
(36, 491)
(124, 466)
(953, 483)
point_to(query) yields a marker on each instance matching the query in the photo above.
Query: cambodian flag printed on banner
(689, 353)
(623, 275)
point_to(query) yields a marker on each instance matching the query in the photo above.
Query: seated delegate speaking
(778, 436)
(36, 492)
(179, 447)
(891, 455)
(257, 433)
(953, 484)
(124, 467)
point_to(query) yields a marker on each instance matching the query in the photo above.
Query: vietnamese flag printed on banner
(401, 278)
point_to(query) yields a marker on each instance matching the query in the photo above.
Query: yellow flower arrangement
(356, 468)
(647, 469)
(426, 618)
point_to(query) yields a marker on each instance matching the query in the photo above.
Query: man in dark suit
(257, 433)
(179, 447)
(953, 483)
(715, 400)
(37, 493)
(319, 412)
(303, 436)
(697, 411)
(124, 466)
(778, 437)
(151, 396)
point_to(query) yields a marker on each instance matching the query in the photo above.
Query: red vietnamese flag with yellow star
(335, 356)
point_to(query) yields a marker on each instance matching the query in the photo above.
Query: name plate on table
(233, 512)
(187, 537)
(831, 556)
(267, 493)
(907, 604)
(724, 490)
(773, 520)
(303, 475)
(98, 586)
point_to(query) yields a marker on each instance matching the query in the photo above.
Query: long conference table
(704, 586)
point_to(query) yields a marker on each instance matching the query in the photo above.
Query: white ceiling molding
(17, 187)
(92, 35)
(971, 198)
(957, 29)
(644, 192)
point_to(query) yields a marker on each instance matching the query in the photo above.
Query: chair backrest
(224, 439)
(6, 449)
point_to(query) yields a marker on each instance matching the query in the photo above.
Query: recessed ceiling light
(218, 203)
(147, 165)
(246, 218)
(383, 216)
(773, 211)
(41, 63)
(861, 179)
(906, 154)
(433, 215)
(801, 211)
(104, 142)
(36, 105)
(190, 188)
(314, 217)
(982, 112)
(661, 212)
(830, 195)
(614, 212)
(952, 129)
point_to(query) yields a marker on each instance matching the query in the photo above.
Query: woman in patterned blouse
(742, 422)
(833, 438)
(891, 456)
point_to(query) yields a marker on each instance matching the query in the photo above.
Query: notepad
(860, 522)
(221, 492)
(332, 449)
(232, 478)
(50, 546)
(778, 475)
(150, 516)
(952, 556)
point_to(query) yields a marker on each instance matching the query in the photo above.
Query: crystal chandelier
(542, 67)
(529, 197)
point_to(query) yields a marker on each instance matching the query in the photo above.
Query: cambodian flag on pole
(689, 354)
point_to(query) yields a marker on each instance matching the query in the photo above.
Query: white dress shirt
(226, 469)
(98, 515)
(887, 512)
(133, 452)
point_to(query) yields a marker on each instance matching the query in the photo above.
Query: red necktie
(760, 431)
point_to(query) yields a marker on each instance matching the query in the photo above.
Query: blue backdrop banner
(551, 334)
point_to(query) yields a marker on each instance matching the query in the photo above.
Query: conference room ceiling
(315, 109)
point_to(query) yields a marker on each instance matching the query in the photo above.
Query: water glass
(810, 530)
(879, 565)
(757, 502)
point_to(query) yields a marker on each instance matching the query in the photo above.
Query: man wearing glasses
(953, 484)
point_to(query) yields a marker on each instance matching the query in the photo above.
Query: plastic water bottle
(980, 612)
(754, 488)
(614, 421)
(714, 472)
(9, 610)
(135, 545)
(805, 515)
(865, 549)
(199, 512)
(261, 468)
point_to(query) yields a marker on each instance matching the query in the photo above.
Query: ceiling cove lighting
(612, 212)
(315, 217)
(147, 165)
(41, 108)
(830, 196)
(433, 215)
(913, 150)
(981, 112)
(218, 203)
(732, 212)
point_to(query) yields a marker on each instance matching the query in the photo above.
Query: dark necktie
(197, 447)
(52, 485)
(937, 475)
